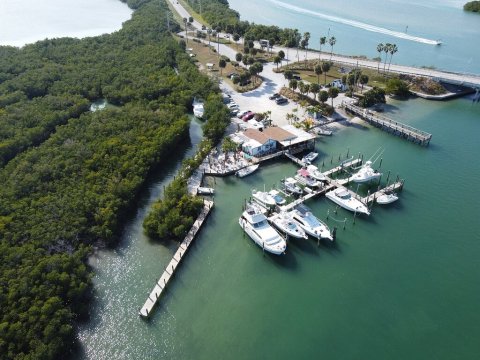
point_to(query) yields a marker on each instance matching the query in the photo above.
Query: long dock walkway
(162, 282)
(397, 128)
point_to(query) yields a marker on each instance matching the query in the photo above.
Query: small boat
(307, 159)
(315, 173)
(366, 174)
(344, 198)
(255, 224)
(285, 223)
(324, 132)
(263, 198)
(247, 170)
(205, 190)
(304, 178)
(279, 200)
(387, 198)
(198, 108)
(310, 223)
(290, 186)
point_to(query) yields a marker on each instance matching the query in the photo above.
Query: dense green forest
(69, 176)
(473, 6)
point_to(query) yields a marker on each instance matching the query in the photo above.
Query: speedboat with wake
(366, 174)
(285, 223)
(310, 223)
(255, 224)
(344, 198)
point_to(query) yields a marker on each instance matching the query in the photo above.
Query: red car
(248, 116)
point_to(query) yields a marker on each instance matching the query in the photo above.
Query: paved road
(467, 79)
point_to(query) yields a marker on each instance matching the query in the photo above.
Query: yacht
(310, 223)
(285, 223)
(205, 190)
(198, 108)
(255, 224)
(247, 170)
(344, 198)
(315, 173)
(366, 174)
(263, 198)
(307, 159)
(304, 178)
(279, 200)
(290, 186)
(387, 198)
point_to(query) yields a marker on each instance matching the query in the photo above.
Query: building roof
(278, 133)
(299, 136)
(254, 134)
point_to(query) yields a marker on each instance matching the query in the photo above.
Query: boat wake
(356, 24)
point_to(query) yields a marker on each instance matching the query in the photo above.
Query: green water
(401, 284)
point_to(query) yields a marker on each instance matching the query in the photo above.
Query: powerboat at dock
(304, 178)
(366, 174)
(263, 198)
(279, 199)
(247, 170)
(285, 223)
(344, 198)
(315, 173)
(387, 198)
(205, 190)
(310, 223)
(255, 224)
(307, 159)
(290, 186)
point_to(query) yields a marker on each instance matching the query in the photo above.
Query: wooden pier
(397, 128)
(396, 186)
(162, 282)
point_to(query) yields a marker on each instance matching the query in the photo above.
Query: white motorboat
(279, 200)
(290, 186)
(366, 174)
(198, 108)
(315, 173)
(205, 190)
(387, 198)
(255, 224)
(310, 223)
(304, 178)
(263, 198)
(307, 159)
(344, 198)
(247, 170)
(285, 223)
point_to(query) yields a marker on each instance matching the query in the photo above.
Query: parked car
(241, 114)
(234, 111)
(248, 116)
(274, 96)
(281, 101)
(232, 105)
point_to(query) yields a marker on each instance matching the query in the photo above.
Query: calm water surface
(26, 21)
(360, 25)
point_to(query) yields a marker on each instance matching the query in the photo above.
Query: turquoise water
(403, 283)
(442, 20)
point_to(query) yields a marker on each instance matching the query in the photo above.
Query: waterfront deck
(162, 282)
(394, 127)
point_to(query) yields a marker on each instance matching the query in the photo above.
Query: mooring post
(354, 216)
(344, 223)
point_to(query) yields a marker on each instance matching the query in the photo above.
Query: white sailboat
(344, 198)
(285, 223)
(255, 224)
(310, 223)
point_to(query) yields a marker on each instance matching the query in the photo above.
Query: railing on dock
(397, 128)
(162, 282)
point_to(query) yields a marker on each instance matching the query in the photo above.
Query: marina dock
(394, 127)
(162, 282)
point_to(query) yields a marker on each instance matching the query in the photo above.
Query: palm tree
(292, 84)
(363, 80)
(393, 50)
(332, 42)
(306, 39)
(323, 96)
(301, 87)
(386, 50)
(323, 40)
(333, 93)
(209, 32)
(277, 60)
(314, 89)
(236, 37)
(222, 64)
(325, 68)
(379, 49)
(318, 71)
(185, 22)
